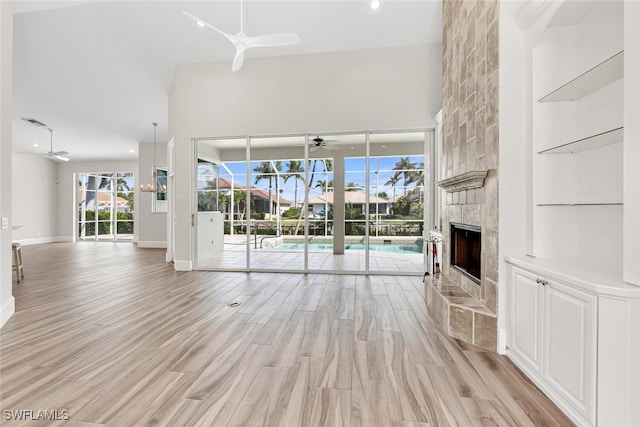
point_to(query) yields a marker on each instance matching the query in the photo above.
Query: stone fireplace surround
(469, 164)
(464, 309)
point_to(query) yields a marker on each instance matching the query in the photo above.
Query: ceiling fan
(242, 42)
(317, 143)
(56, 155)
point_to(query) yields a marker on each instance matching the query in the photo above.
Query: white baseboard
(152, 244)
(7, 311)
(182, 265)
(41, 240)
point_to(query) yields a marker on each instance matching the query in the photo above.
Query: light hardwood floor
(112, 334)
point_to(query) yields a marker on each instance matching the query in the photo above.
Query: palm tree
(395, 179)
(294, 170)
(278, 167)
(93, 188)
(239, 201)
(352, 186)
(418, 175)
(265, 171)
(223, 201)
(313, 164)
(121, 185)
(406, 168)
(124, 191)
(324, 185)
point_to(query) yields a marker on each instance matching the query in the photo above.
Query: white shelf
(580, 204)
(594, 141)
(596, 78)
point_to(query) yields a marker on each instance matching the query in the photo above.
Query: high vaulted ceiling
(99, 72)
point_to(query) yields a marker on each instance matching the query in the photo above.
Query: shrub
(291, 213)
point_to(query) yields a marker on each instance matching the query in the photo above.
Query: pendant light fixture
(153, 186)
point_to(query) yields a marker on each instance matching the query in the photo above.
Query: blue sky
(354, 172)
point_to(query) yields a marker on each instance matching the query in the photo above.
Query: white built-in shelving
(588, 143)
(606, 72)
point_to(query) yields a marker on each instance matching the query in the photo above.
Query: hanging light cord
(152, 185)
(155, 127)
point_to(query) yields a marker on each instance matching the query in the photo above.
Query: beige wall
(369, 89)
(35, 198)
(6, 41)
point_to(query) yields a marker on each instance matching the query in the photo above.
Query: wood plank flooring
(116, 337)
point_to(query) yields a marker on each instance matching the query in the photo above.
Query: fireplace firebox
(466, 250)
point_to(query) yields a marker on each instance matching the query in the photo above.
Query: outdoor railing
(321, 227)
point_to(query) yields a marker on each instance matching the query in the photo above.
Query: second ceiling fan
(328, 144)
(242, 42)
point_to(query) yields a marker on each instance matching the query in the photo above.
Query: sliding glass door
(312, 203)
(105, 206)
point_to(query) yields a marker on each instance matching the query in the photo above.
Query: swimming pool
(396, 248)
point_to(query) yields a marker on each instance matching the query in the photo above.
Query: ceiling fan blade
(202, 23)
(331, 147)
(314, 148)
(61, 155)
(238, 60)
(276, 39)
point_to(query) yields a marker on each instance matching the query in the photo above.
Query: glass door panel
(221, 211)
(124, 205)
(396, 210)
(277, 194)
(86, 200)
(356, 199)
(319, 208)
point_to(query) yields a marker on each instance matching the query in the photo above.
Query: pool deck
(271, 258)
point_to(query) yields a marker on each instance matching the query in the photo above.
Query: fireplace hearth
(466, 250)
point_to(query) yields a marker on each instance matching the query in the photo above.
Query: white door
(526, 312)
(570, 337)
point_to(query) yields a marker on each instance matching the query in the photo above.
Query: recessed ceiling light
(131, 150)
(384, 146)
(36, 145)
(375, 4)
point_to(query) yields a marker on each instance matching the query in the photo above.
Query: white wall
(373, 89)
(7, 305)
(35, 198)
(631, 238)
(66, 189)
(512, 150)
(151, 226)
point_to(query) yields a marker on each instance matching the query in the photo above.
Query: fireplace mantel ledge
(466, 181)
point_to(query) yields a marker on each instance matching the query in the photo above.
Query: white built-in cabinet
(553, 333)
(574, 339)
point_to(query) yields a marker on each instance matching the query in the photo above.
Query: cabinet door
(527, 309)
(570, 345)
